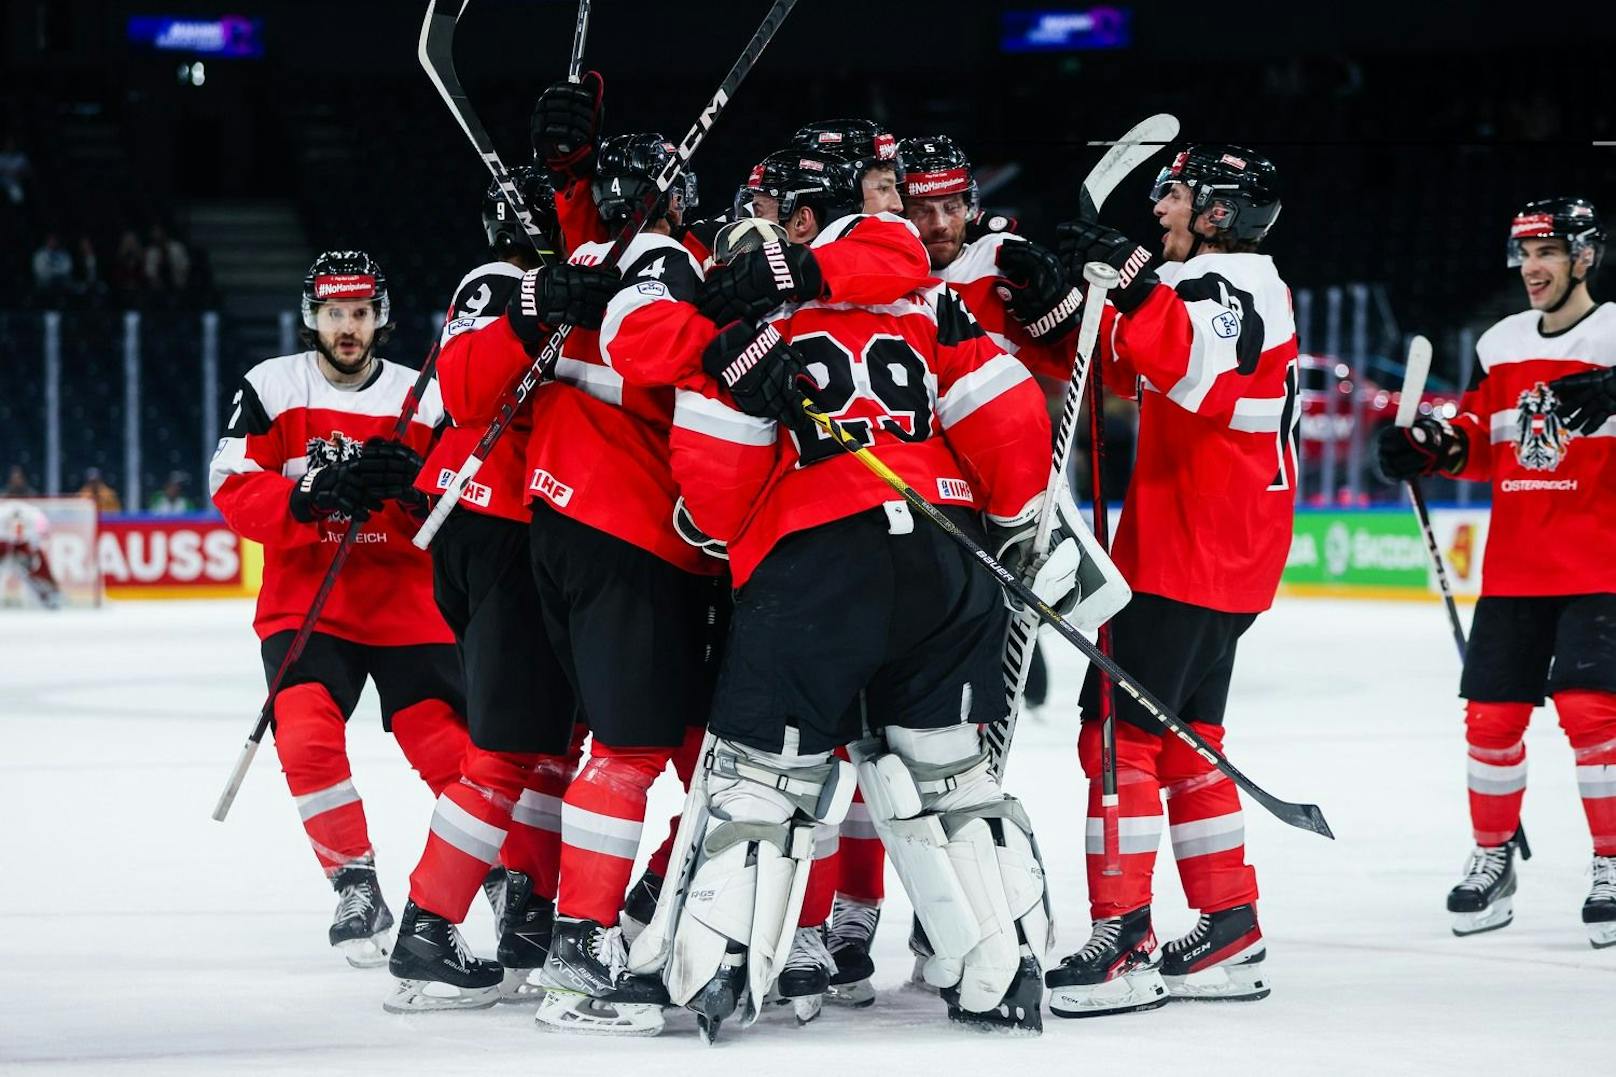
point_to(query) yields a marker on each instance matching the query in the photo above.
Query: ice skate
(1021, 1009)
(721, 996)
(1599, 911)
(436, 970)
(524, 945)
(588, 987)
(852, 930)
(360, 925)
(807, 975)
(1114, 972)
(920, 946)
(1484, 899)
(1220, 960)
(640, 905)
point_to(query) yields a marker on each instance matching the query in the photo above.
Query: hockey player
(1208, 343)
(305, 449)
(1536, 422)
(505, 806)
(24, 531)
(870, 149)
(919, 381)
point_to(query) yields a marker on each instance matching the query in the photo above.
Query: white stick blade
(1414, 375)
(1143, 141)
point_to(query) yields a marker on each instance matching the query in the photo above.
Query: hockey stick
(1023, 635)
(435, 52)
(1302, 816)
(1408, 408)
(543, 366)
(1130, 151)
(1110, 806)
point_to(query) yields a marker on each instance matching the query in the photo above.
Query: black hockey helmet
(1236, 188)
(1574, 220)
(500, 222)
(345, 275)
(626, 170)
(796, 177)
(935, 167)
(864, 144)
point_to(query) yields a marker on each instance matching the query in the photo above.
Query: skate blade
(520, 985)
(806, 1007)
(1602, 935)
(917, 979)
(428, 996)
(707, 1028)
(1221, 983)
(569, 1011)
(1142, 990)
(858, 994)
(368, 953)
(1500, 913)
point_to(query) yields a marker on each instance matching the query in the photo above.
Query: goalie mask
(1234, 188)
(626, 172)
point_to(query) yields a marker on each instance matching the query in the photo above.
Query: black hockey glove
(758, 281)
(1033, 284)
(331, 489)
(1426, 448)
(552, 296)
(759, 369)
(1585, 401)
(566, 121)
(1081, 242)
(387, 469)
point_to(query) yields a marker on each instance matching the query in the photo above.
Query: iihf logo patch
(1541, 439)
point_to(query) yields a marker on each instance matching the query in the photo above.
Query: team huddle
(673, 554)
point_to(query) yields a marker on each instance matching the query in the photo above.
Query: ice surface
(136, 935)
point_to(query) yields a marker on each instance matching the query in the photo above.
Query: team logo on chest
(1541, 438)
(332, 450)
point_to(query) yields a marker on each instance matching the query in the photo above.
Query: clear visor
(1163, 185)
(1515, 249)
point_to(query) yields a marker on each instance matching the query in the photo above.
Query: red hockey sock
(311, 740)
(468, 828)
(602, 815)
(685, 760)
(861, 862)
(533, 843)
(1207, 827)
(1589, 719)
(434, 740)
(1496, 768)
(821, 890)
(1139, 825)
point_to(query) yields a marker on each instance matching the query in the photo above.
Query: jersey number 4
(885, 388)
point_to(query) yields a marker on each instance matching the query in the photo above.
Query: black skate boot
(1221, 960)
(588, 987)
(1484, 899)
(360, 924)
(721, 995)
(1114, 972)
(1019, 1011)
(525, 943)
(494, 884)
(852, 930)
(807, 974)
(1599, 911)
(640, 905)
(436, 970)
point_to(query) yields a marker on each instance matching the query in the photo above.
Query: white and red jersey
(974, 274)
(917, 380)
(285, 415)
(470, 394)
(1212, 356)
(1554, 492)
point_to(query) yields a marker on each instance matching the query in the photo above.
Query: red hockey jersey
(470, 394)
(1554, 492)
(917, 380)
(1212, 355)
(285, 415)
(974, 274)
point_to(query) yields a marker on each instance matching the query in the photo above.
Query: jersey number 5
(885, 388)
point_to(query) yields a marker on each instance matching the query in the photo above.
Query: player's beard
(348, 367)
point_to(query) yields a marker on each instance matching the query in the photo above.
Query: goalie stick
(544, 364)
(1303, 816)
(1130, 151)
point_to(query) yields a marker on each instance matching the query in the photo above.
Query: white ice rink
(136, 935)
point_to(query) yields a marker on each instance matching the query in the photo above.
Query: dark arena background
(170, 169)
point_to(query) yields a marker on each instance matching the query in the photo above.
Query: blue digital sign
(227, 36)
(1084, 29)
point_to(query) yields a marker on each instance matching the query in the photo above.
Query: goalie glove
(1076, 577)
